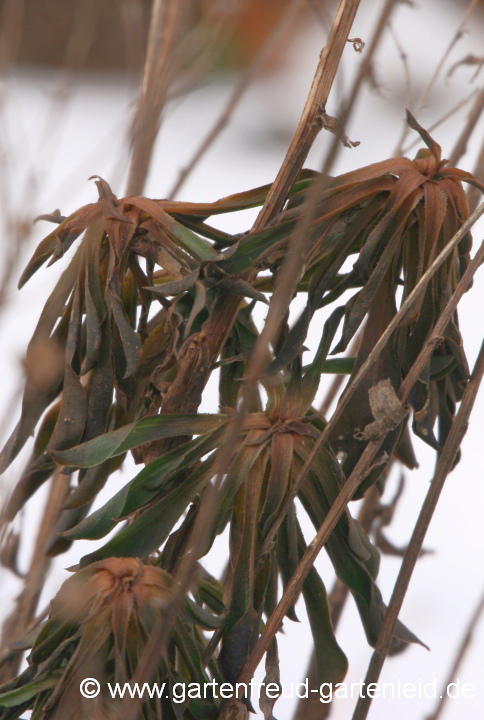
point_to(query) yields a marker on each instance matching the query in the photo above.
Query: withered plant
(153, 300)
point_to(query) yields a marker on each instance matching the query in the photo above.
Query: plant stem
(310, 124)
(444, 466)
(17, 622)
(427, 89)
(473, 193)
(157, 74)
(310, 708)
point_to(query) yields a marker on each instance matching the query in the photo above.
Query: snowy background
(49, 152)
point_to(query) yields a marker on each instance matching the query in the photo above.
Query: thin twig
(157, 75)
(19, 619)
(238, 92)
(472, 120)
(365, 70)
(461, 652)
(473, 4)
(310, 123)
(406, 69)
(444, 466)
(349, 488)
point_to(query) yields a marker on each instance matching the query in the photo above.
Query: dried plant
(153, 301)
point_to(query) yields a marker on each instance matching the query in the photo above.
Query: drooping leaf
(152, 526)
(150, 481)
(331, 661)
(130, 436)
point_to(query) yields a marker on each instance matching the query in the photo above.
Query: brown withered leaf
(387, 410)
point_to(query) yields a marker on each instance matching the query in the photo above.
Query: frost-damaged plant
(124, 332)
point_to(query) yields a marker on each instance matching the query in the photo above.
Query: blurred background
(70, 75)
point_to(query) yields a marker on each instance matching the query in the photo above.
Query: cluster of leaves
(102, 619)
(119, 357)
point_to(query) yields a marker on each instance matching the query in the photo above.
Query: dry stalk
(165, 17)
(131, 15)
(310, 122)
(444, 466)
(473, 193)
(461, 652)
(17, 622)
(406, 70)
(365, 72)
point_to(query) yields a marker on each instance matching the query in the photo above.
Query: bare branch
(158, 71)
(308, 127)
(468, 60)
(444, 466)
(17, 622)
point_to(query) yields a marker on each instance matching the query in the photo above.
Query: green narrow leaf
(251, 247)
(148, 483)
(130, 436)
(27, 692)
(151, 528)
(203, 618)
(312, 376)
(102, 521)
(196, 246)
(331, 662)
